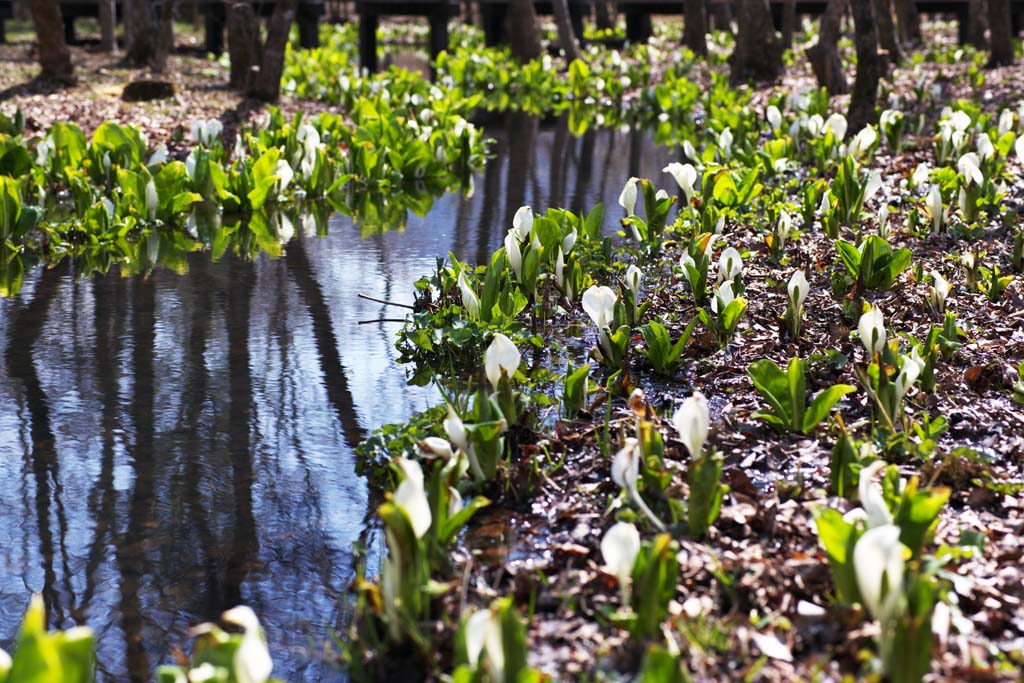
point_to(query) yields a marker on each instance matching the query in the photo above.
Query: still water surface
(173, 445)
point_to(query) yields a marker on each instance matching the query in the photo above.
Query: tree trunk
(243, 43)
(695, 27)
(566, 36)
(824, 54)
(522, 30)
(999, 22)
(909, 21)
(758, 52)
(788, 23)
(604, 14)
(977, 24)
(886, 31)
(108, 25)
(869, 71)
(266, 85)
(54, 56)
(139, 29)
(165, 39)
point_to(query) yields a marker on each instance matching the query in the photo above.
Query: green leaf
(773, 385)
(822, 405)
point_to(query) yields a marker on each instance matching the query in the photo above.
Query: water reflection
(175, 444)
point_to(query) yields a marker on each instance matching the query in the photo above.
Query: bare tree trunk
(108, 25)
(566, 36)
(977, 24)
(999, 21)
(140, 26)
(604, 14)
(824, 54)
(788, 26)
(165, 39)
(909, 22)
(54, 56)
(243, 43)
(886, 31)
(522, 30)
(266, 85)
(695, 26)
(758, 52)
(869, 71)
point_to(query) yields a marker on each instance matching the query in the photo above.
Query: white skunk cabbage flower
(970, 168)
(685, 176)
(152, 201)
(483, 634)
(723, 297)
(798, 288)
(774, 117)
(911, 370)
(206, 132)
(1018, 147)
(634, 277)
(159, 155)
(985, 148)
(837, 124)
(412, 498)
(252, 658)
(730, 265)
(878, 565)
(501, 358)
(284, 173)
(522, 223)
(938, 292)
(725, 140)
(627, 199)
(872, 330)
(919, 178)
(599, 303)
(874, 510)
(692, 421)
(470, 301)
(935, 208)
(862, 141)
(514, 253)
(620, 547)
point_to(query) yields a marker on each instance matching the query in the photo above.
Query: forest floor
(759, 586)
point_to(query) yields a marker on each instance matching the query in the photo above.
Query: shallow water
(173, 445)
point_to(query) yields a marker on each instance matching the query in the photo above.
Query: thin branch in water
(382, 301)
(382, 320)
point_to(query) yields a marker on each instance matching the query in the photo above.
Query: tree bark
(165, 39)
(604, 14)
(522, 30)
(909, 22)
(108, 25)
(54, 55)
(695, 26)
(566, 36)
(869, 71)
(266, 85)
(977, 24)
(886, 31)
(140, 25)
(758, 52)
(788, 23)
(824, 54)
(999, 22)
(243, 43)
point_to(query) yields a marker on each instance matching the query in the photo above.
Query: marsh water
(176, 444)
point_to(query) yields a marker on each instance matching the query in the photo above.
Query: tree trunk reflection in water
(132, 562)
(521, 130)
(45, 467)
(491, 201)
(245, 543)
(335, 381)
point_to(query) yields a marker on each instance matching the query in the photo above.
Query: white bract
(837, 124)
(798, 288)
(634, 277)
(626, 473)
(470, 301)
(685, 176)
(284, 173)
(599, 304)
(483, 634)
(206, 132)
(252, 658)
(501, 358)
(774, 117)
(152, 201)
(730, 265)
(692, 421)
(522, 222)
(620, 547)
(514, 253)
(911, 370)
(935, 208)
(627, 199)
(938, 292)
(1018, 147)
(862, 142)
(878, 564)
(159, 155)
(411, 497)
(919, 178)
(725, 140)
(872, 330)
(970, 168)
(723, 297)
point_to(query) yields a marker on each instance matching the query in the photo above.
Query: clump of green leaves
(786, 393)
